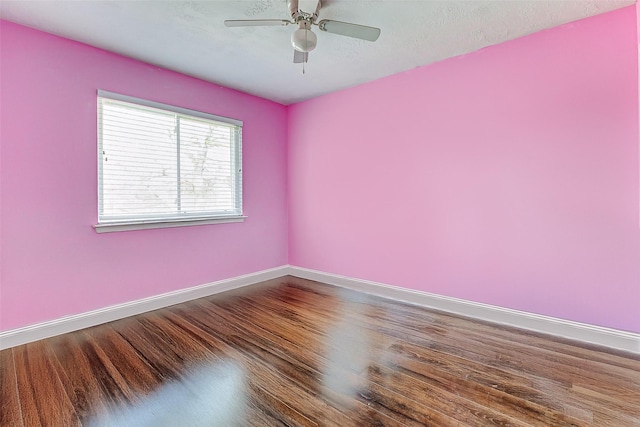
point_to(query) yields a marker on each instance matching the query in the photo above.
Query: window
(164, 166)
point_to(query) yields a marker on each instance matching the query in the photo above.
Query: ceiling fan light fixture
(304, 40)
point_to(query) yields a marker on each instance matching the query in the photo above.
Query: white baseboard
(72, 323)
(613, 338)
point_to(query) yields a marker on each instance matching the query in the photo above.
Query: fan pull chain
(306, 45)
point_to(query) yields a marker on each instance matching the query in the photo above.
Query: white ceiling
(189, 36)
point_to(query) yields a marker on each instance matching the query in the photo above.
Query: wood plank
(134, 376)
(10, 412)
(77, 377)
(42, 396)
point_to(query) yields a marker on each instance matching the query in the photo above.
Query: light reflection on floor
(210, 395)
(348, 348)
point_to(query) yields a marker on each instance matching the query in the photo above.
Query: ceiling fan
(303, 39)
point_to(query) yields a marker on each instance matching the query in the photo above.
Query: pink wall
(518, 166)
(508, 176)
(53, 262)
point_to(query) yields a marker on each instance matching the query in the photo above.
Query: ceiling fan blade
(300, 57)
(255, 22)
(350, 30)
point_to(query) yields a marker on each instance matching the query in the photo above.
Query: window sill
(143, 225)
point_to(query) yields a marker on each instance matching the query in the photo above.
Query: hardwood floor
(292, 352)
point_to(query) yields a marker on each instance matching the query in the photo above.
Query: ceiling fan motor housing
(298, 14)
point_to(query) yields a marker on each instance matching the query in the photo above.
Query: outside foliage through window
(163, 165)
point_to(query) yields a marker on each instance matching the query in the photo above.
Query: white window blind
(159, 163)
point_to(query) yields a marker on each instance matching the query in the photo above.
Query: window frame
(167, 221)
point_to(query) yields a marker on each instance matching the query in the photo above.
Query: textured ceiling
(189, 36)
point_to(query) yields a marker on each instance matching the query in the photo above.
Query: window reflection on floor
(210, 395)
